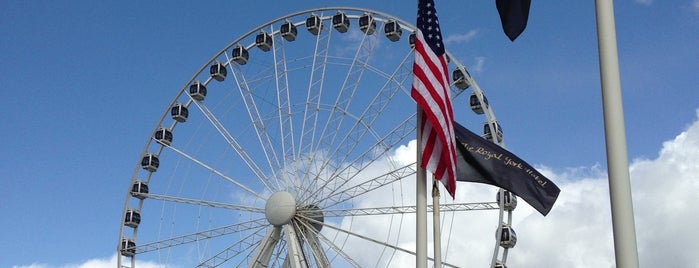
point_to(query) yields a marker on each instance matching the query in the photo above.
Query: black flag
(479, 160)
(513, 15)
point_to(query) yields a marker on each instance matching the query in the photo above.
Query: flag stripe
(430, 91)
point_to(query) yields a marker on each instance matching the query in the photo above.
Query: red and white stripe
(430, 90)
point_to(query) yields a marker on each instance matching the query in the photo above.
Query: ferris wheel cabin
(197, 90)
(392, 30)
(367, 24)
(340, 22)
(139, 190)
(488, 135)
(460, 78)
(179, 112)
(218, 71)
(264, 41)
(128, 247)
(500, 265)
(476, 105)
(411, 40)
(510, 202)
(240, 55)
(163, 136)
(150, 162)
(132, 218)
(314, 24)
(508, 237)
(288, 31)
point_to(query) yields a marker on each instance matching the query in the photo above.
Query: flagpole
(437, 234)
(623, 226)
(420, 201)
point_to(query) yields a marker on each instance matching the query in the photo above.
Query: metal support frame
(264, 251)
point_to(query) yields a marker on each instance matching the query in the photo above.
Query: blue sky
(86, 82)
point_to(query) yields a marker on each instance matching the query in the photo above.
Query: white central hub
(280, 208)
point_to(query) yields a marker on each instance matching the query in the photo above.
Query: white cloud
(461, 38)
(353, 38)
(478, 66)
(695, 4)
(33, 265)
(579, 227)
(109, 262)
(644, 2)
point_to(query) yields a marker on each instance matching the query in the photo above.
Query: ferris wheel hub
(280, 208)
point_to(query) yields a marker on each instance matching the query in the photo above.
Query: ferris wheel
(288, 149)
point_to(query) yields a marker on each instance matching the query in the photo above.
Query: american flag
(431, 92)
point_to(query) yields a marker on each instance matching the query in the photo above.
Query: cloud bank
(461, 38)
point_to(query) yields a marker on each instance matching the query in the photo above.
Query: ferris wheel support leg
(264, 251)
(320, 257)
(296, 258)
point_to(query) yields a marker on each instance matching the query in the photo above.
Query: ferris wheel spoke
(346, 92)
(366, 238)
(313, 102)
(242, 245)
(338, 250)
(255, 119)
(314, 92)
(363, 124)
(408, 209)
(197, 202)
(286, 126)
(316, 236)
(369, 156)
(312, 244)
(198, 236)
(368, 186)
(235, 146)
(215, 171)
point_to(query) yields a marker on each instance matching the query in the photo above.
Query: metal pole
(437, 239)
(420, 202)
(623, 225)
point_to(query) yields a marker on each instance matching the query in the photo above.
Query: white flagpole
(623, 225)
(420, 202)
(437, 239)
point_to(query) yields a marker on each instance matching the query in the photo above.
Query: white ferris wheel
(283, 150)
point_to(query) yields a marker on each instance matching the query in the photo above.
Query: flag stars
(428, 24)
